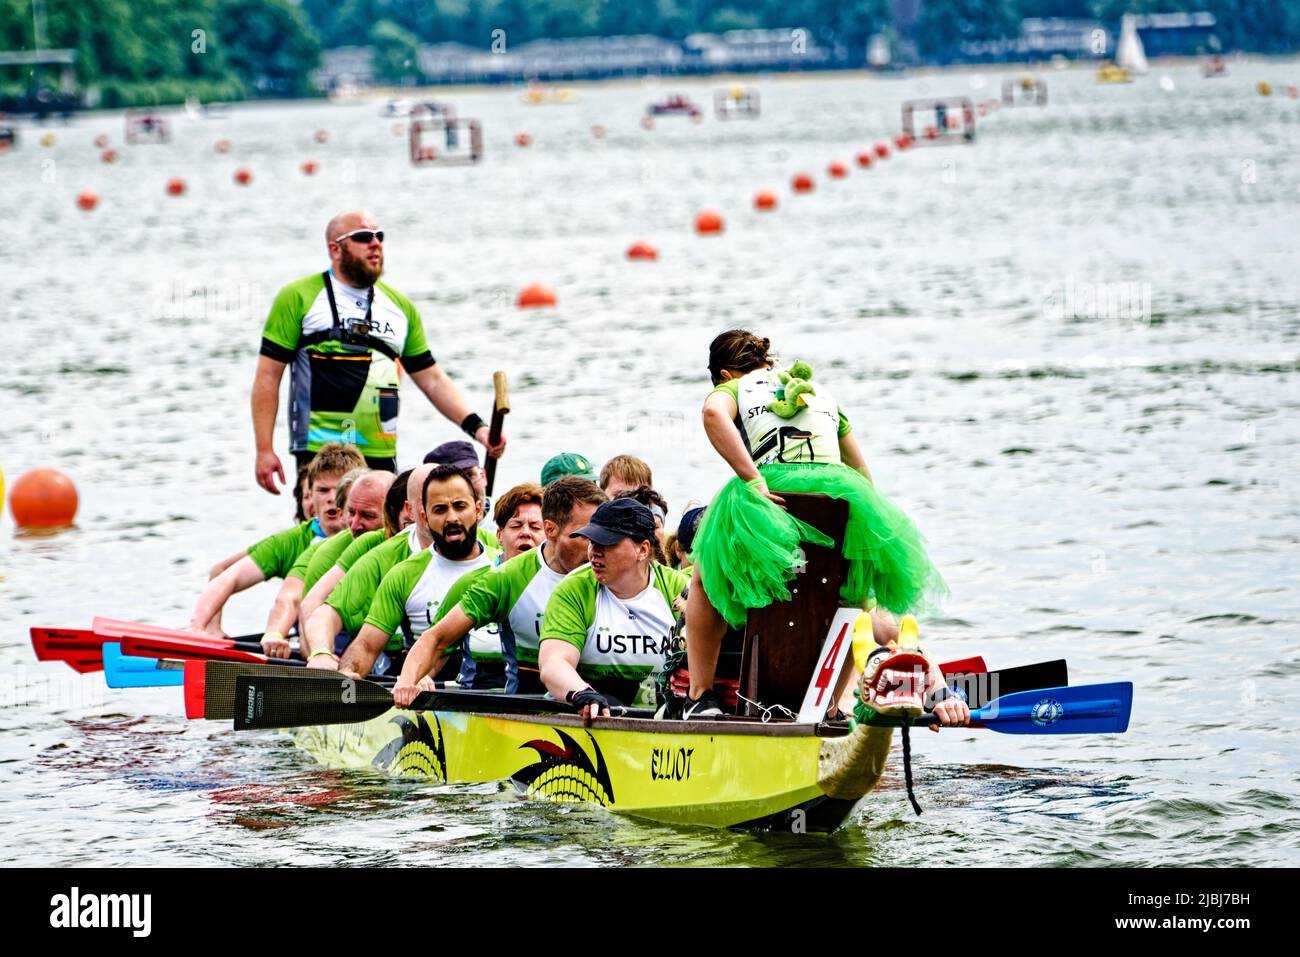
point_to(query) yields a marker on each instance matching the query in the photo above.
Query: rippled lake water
(1069, 350)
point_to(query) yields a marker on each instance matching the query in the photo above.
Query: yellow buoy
(1264, 88)
(48, 139)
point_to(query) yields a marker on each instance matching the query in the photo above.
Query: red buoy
(101, 141)
(864, 159)
(108, 156)
(708, 223)
(932, 132)
(88, 200)
(243, 177)
(642, 250)
(322, 136)
(222, 146)
(536, 295)
(802, 183)
(43, 498)
(523, 139)
(882, 150)
(309, 168)
(837, 170)
(176, 187)
(764, 199)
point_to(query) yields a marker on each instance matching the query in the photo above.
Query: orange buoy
(647, 122)
(309, 168)
(764, 199)
(864, 159)
(243, 177)
(902, 141)
(222, 146)
(88, 200)
(882, 150)
(108, 156)
(837, 170)
(708, 223)
(321, 136)
(176, 187)
(802, 183)
(642, 250)
(932, 132)
(1293, 92)
(598, 130)
(536, 295)
(523, 139)
(101, 141)
(43, 498)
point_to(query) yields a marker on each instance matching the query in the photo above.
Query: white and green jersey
(514, 595)
(410, 595)
(618, 638)
(344, 383)
(810, 435)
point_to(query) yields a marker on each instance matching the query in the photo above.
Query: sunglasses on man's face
(362, 236)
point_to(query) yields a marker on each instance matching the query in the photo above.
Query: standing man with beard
(411, 593)
(344, 331)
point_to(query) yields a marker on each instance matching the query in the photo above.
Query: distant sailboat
(1130, 55)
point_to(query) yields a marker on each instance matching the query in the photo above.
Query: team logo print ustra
(1046, 712)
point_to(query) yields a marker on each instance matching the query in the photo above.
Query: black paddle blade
(289, 701)
(219, 679)
(980, 689)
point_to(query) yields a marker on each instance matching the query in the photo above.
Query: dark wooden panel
(782, 641)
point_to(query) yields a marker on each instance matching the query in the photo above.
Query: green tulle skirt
(748, 547)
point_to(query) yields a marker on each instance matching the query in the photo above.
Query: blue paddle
(134, 671)
(1083, 709)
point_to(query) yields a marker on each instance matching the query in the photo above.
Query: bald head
(347, 221)
(357, 263)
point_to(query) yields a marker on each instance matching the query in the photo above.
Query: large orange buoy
(309, 168)
(222, 146)
(101, 141)
(243, 177)
(108, 156)
(536, 295)
(322, 136)
(837, 170)
(882, 150)
(764, 199)
(43, 498)
(642, 250)
(523, 139)
(802, 183)
(708, 223)
(176, 187)
(88, 199)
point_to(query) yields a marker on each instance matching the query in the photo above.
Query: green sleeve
(488, 540)
(571, 610)
(275, 554)
(492, 596)
(731, 387)
(389, 605)
(324, 557)
(284, 322)
(670, 582)
(844, 428)
(460, 588)
(298, 569)
(352, 596)
(360, 546)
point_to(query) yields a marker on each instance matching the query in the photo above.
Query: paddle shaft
(500, 406)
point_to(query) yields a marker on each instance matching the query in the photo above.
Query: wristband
(273, 636)
(471, 424)
(322, 651)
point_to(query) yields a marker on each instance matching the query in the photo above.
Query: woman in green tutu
(782, 432)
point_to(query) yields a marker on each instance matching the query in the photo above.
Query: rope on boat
(907, 762)
(767, 712)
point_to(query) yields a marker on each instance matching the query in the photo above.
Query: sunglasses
(363, 236)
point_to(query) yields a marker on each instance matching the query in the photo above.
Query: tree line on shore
(136, 52)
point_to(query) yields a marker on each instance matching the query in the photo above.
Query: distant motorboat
(676, 104)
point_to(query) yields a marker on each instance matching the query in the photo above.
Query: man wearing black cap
(608, 626)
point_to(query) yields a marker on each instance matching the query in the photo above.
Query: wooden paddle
(500, 406)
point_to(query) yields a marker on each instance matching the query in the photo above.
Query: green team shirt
(619, 638)
(412, 593)
(513, 596)
(298, 569)
(352, 596)
(275, 554)
(488, 538)
(323, 558)
(361, 545)
(340, 391)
